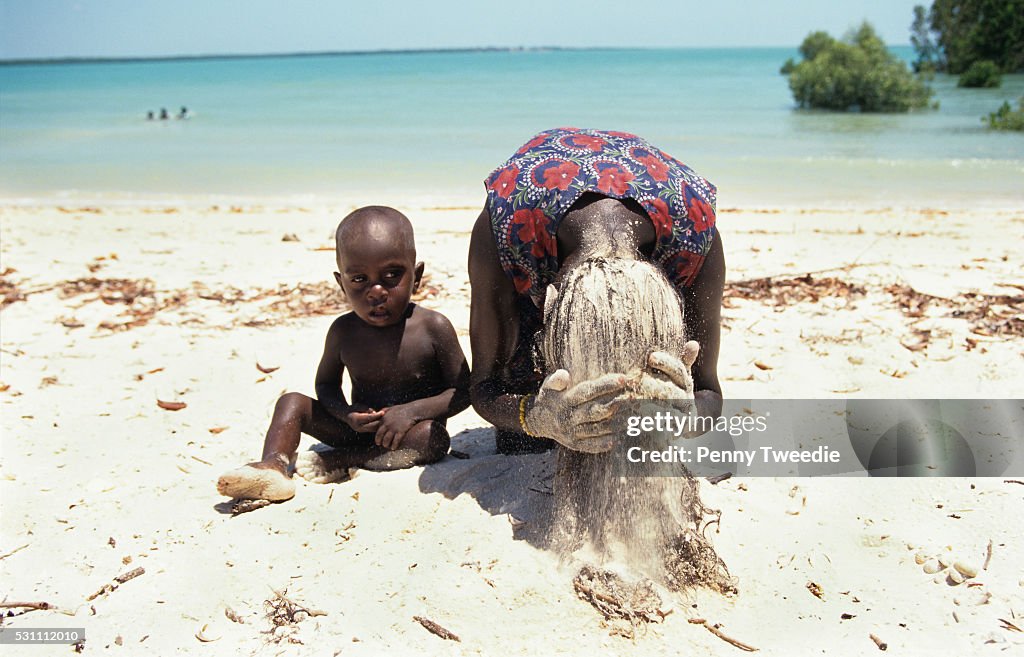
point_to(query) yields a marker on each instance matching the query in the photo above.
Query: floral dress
(530, 194)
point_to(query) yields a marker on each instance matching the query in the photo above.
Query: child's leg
(426, 442)
(268, 478)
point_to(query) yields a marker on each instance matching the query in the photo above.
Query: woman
(565, 196)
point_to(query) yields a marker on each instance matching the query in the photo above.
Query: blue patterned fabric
(530, 194)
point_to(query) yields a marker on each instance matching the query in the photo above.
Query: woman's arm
(493, 329)
(572, 414)
(702, 308)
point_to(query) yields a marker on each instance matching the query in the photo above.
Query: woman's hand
(579, 416)
(677, 372)
(676, 369)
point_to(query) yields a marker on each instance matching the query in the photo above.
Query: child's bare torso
(394, 364)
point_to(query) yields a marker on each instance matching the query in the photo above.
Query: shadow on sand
(517, 486)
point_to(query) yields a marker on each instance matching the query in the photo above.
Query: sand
(99, 479)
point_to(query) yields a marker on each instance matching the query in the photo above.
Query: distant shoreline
(343, 53)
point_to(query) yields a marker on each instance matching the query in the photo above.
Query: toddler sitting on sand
(408, 372)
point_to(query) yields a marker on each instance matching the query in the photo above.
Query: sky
(147, 28)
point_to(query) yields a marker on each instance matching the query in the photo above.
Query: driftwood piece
(25, 605)
(436, 629)
(239, 507)
(131, 574)
(713, 628)
(15, 550)
(120, 579)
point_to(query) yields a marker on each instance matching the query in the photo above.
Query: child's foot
(321, 467)
(257, 481)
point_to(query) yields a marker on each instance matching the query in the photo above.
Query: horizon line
(328, 53)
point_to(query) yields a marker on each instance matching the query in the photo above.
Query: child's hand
(364, 420)
(395, 423)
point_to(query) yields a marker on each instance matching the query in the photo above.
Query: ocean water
(433, 125)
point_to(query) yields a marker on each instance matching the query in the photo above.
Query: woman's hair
(608, 316)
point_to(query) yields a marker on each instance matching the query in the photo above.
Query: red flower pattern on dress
(505, 183)
(536, 141)
(657, 209)
(521, 280)
(534, 232)
(687, 266)
(701, 214)
(617, 164)
(614, 180)
(595, 144)
(655, 167)
(561, 176)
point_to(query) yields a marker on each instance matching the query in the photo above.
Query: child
(407, 369)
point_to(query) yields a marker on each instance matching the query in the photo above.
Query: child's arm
(451, 401)
(328, 386)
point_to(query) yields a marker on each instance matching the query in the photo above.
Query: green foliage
(972, 30)
(788, 67)
(856, 73)
(1006, 118)
(815, 43)
(982, 73)
(929, 55)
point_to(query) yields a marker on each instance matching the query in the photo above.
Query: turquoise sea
(433, 124)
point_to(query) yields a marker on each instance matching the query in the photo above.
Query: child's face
(378, 276)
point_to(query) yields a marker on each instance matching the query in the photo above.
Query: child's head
(377, 268)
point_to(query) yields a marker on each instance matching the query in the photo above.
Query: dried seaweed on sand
(611, 595)
(141, 300)
(783, 292)
(987, 314)
(284, 615)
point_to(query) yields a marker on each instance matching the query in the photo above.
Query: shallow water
(435, 124)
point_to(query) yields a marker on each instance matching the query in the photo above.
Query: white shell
(968, 570)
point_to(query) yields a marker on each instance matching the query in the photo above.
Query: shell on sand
(966, 569)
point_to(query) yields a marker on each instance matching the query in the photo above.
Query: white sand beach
(110, 310)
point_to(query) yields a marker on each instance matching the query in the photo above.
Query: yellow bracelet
(522, 416)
